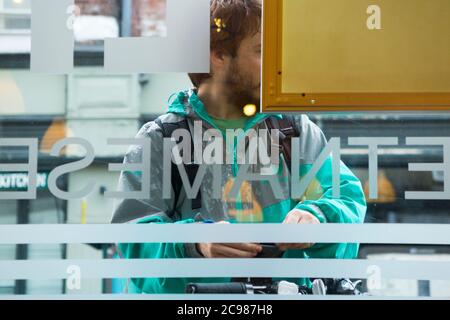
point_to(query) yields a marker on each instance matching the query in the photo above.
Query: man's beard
(240, 88)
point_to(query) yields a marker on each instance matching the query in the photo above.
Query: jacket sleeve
(350, 207)
(153, 209)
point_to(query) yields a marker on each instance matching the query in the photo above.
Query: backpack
(287, 131)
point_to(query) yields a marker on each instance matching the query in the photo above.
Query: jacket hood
(178, 103)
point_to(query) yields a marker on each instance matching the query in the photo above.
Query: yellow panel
(328, 48)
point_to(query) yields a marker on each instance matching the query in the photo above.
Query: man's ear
(219, 60)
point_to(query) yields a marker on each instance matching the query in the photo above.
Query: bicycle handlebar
(233, 287)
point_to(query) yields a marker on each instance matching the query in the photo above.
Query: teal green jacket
(318, 199)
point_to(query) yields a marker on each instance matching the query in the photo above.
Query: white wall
(155, 94)
(99, 208)
(98, 211)
(26, 93)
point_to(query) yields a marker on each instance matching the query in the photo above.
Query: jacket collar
(188, 104)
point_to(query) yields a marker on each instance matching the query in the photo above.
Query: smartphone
(269, 250)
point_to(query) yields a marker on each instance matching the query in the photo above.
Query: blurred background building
(95, 106)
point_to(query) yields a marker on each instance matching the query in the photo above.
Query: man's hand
(297, 216)
(228, 250)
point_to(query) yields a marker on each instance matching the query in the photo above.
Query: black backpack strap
(288, 130)
(191, 168)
